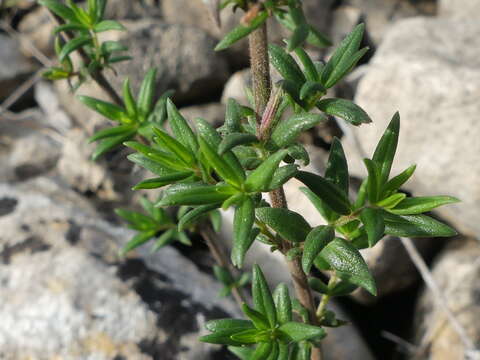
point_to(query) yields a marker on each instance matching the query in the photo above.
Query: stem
(322, 307)
(221, 259)
(262, 89)
(97, 75)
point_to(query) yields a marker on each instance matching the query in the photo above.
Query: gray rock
(54, 248)
(456, 272)
(379, 15)
(428, 69)
(344, 19)
(182, 54)
(14, 68)
(459, 9)
(120, 9)
(37, 28)
(235, 87)
(214, 113)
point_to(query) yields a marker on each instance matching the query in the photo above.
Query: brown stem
(220, 258)
(262, 89)
(97, 75)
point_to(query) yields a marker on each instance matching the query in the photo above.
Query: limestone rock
(456, 272)
(459, 9)
(214, 113)
(428, 69)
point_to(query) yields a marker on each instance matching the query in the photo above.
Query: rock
(121, 10)
(428, 69)
(214, 113)
(183, 56)
(14, 68)
(344, 19)
(36, 29)
(27, 147)
(137, 308)
(459, 9)
(380, 15)
(55, 117)
(391, 267)
(456, 272)
(235, 87)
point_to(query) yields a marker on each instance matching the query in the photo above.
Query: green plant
(256, 152)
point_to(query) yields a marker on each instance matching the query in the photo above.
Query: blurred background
(66, 294)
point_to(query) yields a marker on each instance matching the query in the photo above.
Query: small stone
(214, 113)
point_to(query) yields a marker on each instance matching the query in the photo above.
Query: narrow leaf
(337, 167)
(316, 240)
(180, 127)
(288, 224)
(297, 331)
(283, 303)
(242, 227)
(418, 205)
(73, 45)
(163, 180)
(287, 131)
(345, 109)
(396, 182)
(193, 215)
(286, 65)
(386, 148)
(235, 139)
(138, 240)
(261, 177)
(174, 146)
(110, 111)
(107, 25)
(195, 194)
(111, 143)
(415, 226)
(145, 95)
(262, 297)
(374, 224)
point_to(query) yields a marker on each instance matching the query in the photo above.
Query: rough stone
(14, 68)
(456, 272)
(135, 308)
(428, 69)
(459, 9)
(235, 87)
(36, 29)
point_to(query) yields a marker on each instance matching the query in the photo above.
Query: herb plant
(255, 152)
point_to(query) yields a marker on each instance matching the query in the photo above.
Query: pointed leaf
(396, 182)
(299, 36)
(174, 146)
(110, 111)
(260, 178)
(418, 205)
(309, 68)
(195, 194)
(138, 240)
(180, 127)
(374, 180)
(288, 224)
(328, 214)
(109, 132)
(374, 224)
(415, 226)
(111, 143)
(151, 165)
(193, 215)
(347, 261)
(287, 131)
(316, 240)
(337, 167)
(145, 95)
(262, 297)
(345, 109)
(163, 180)
(59, 9)
(107, 25)
(299, 331)
(262, 351)
(164, 239)
(282, 175)
(73, 45)
(259, 320)
(285, 65)
(283, 303)
(228, 324)
(235, 139)
(330, 193)
(391, 201)
(386, 148)
(128, 100)
(242, 227)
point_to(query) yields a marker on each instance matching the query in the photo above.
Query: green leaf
(151, 165)
(250, 336)
(59, 9)
(341, 59)
(117, 59)
(288, 224)
(161, 157)
(262, 351)
(223, 275)
(285, 65)
(391, 201)
(259, 320)
(193, 215)
(330, 193)
(362, 195)
(385, 150)
(159, 113)
(111, 142)
(128, 100)
(311, 88)
(283, 303)
(138, 240)
(374, 180)
(282, 175)
(163, 180)
(287, 131)
(260, 178)
(415, 226)
(174, 146)
(242, 227)
(164, 239)
(109, 47)
(110, 111)
(241, 31)
(345, 109)
(101, 4)
(328, 214)
(337, 167)
(316, 240)
(418, 205)
(299, 36)
(347, 261)
(73, 45)
(309, 68)
(55, 73)
(374, 224)
(70, 27)
(297, 331)
(137, 220)
(145, 95)
(107, 25)
(298, 152)
(195, 194)
(223, 337)
(232, 117)
(180, 127)
(235, 139)
(396, 182)
(228, 324)
(262, 297)
(244, 353)
(221, 166)
(109, 132)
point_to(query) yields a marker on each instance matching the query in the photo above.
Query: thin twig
(19, 92)
(401, 343)
(220, 258)
(97, 76)
(439, 296)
